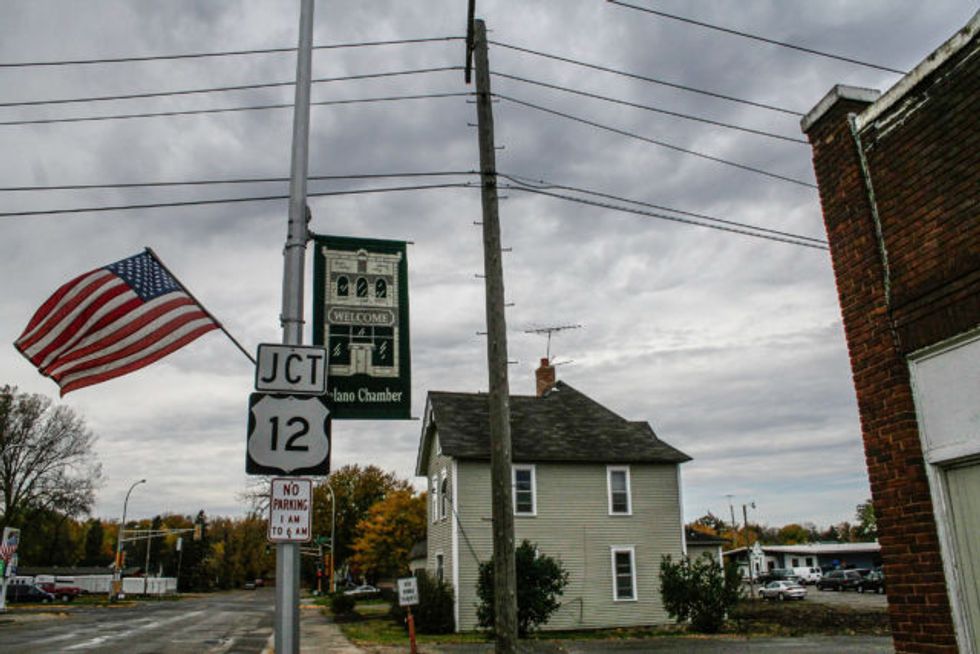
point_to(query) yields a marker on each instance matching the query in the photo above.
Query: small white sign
(289, 510)
(408, 591)
(291, 369)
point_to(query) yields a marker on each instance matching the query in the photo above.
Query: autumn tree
(96, 553)
(387, 533)
(47, 462)
(867, 526)
(793, 534)
(357, 489)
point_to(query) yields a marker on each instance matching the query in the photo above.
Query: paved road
(239, 621)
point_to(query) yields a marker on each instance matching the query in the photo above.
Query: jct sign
(289, 510)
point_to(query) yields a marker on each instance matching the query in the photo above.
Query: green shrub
(541, 580)
(434, 612)
(341, 604)
(700, 591)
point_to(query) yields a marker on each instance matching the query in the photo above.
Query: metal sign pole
(287, 554)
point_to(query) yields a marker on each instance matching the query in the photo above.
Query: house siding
(573, 524)
(440, 534)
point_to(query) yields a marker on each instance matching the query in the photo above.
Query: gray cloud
(730, 346)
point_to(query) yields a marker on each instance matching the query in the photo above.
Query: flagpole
(153, 254)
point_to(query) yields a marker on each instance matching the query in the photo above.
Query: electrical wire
(542, 184)
(226, 53)
(644, 78)
(238, 180)
(663, 144)
(651, 214)
(756, 37)
(190, 112)
(254, 198)
(221, 89)
(517, 185)
(649, 108)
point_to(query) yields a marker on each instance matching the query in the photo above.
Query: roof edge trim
(937, 58)
(834, 95)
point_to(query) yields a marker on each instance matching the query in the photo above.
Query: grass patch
(371, 624)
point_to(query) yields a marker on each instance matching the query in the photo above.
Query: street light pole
(748, 555)
(333, 546)
(117, 575)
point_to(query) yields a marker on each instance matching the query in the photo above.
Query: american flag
(7, 551)
(112, 321)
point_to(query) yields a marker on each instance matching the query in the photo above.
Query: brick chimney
(545, 377)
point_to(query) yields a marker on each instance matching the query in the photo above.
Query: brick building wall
(915, 286)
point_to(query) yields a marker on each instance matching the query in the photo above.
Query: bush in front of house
(341, 604)
(434, 612)
(541, 580)
(700, 591)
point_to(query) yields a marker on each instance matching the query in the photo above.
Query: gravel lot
(847, 598)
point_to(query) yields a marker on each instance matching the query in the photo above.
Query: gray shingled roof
(563, 425)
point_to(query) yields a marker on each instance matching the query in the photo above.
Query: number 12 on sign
(288, 435)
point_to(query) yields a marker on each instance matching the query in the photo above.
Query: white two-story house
(597, 491)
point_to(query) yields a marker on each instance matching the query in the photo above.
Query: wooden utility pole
(504, 572)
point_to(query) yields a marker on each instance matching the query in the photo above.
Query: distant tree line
(49, 477)
(863, 529)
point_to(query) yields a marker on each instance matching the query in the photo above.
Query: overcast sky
(730, 346)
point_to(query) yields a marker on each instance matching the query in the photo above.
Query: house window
(618, 481)
(361, 287)
(444, 496)
(380, 288)
(624, 574)
(809, 561)
(440, 567)
(343, 287)
(435, 499)
(525, 490)
(796, 562)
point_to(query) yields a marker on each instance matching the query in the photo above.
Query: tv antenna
(549, 331)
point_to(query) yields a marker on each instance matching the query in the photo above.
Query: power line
(723, 225)
(649, 108)
(190, 112)
(254, 198)
(542, 184)
(238, 180)
(225, 53)
(221, 89)
(663, 144)
(644, 78)
(756, 37)
(651, 214)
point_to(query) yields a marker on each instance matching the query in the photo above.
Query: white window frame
(438, 559)
(534, 488)
(629, 490)
(631, 550)
(435, 499)
(444, 497)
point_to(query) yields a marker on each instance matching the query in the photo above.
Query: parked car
(782, 590)
(810, 575)
(363, 591)
(778, 574)
(249, 585)
(840, 580)
(61, 592)
(874, 582)
(28, 593)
